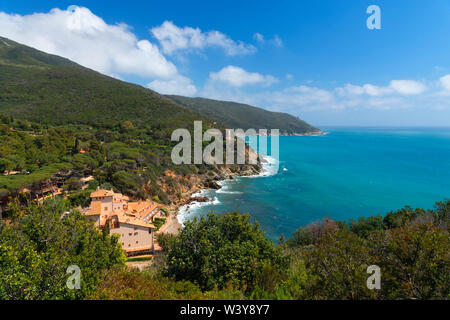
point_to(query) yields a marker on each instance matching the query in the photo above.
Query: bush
(41, 243)
(221, 250)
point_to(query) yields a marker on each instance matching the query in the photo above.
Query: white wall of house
(107, 204)
(134, 237)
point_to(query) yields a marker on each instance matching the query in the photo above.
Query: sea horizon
(385, 171)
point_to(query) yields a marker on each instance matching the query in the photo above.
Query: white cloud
(402, 87)
(445, 82)
(304, 95)
(376, 91)
(173, 38)
(399, 94)
(407, 87)
(179, 85)
(85, 38)
(258, 37)
(238, 77)
(276, 41)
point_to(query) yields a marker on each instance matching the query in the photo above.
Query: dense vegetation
(129, 159)
(41, 242)
(236, 115)
(47, 89)
(220, 250)
(52, 108)
(226, 257)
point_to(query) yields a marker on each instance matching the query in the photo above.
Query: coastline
(195, 196)
(307, 134)
(304, 134)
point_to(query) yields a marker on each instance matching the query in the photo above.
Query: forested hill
(60, 122)
(48, 89)
(236, 115)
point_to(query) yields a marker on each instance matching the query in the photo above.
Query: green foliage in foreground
(220, 250)
(326, 260)
(120, 284)
(412, 255)
(41, 242)
(226, 257)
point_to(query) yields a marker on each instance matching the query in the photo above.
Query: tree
(414, 262)
(365, 226)
(6, 165)
(312, 233)
(337, 266)
(221, 250)
(42, 242)
(76, 147)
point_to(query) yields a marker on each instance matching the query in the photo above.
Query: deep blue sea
(345, 174)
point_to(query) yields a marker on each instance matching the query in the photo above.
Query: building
(132, 221)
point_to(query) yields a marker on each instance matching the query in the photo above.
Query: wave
(189, 210)
(270, 167)
(226, 189)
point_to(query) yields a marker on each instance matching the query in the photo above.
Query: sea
(344, 174)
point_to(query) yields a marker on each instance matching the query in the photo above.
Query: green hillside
(47, 89)
(51, 109)
(236, 115)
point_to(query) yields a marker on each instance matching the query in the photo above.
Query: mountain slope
(70, 122)
(44, 88)
(236, 115)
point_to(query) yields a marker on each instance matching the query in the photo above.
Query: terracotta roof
(102, 193)
(134, 213)
(142, 208)
(95, 208)
(134, 221)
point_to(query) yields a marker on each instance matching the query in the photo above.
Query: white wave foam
(188, 210)
(228, 192)
(270, 167)
(226, 189)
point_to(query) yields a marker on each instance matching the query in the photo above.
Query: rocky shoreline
(314, 133)
(226, 173)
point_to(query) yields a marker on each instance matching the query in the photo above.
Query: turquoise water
(345, 174)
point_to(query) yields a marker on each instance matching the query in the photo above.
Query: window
(135, 233)
(130, 234)
(137, 241)
(106, 208)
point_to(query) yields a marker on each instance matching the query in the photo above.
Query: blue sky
(313, 59)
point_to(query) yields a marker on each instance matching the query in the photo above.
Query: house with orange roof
(132, 221)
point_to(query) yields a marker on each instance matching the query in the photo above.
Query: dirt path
(172, 226)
